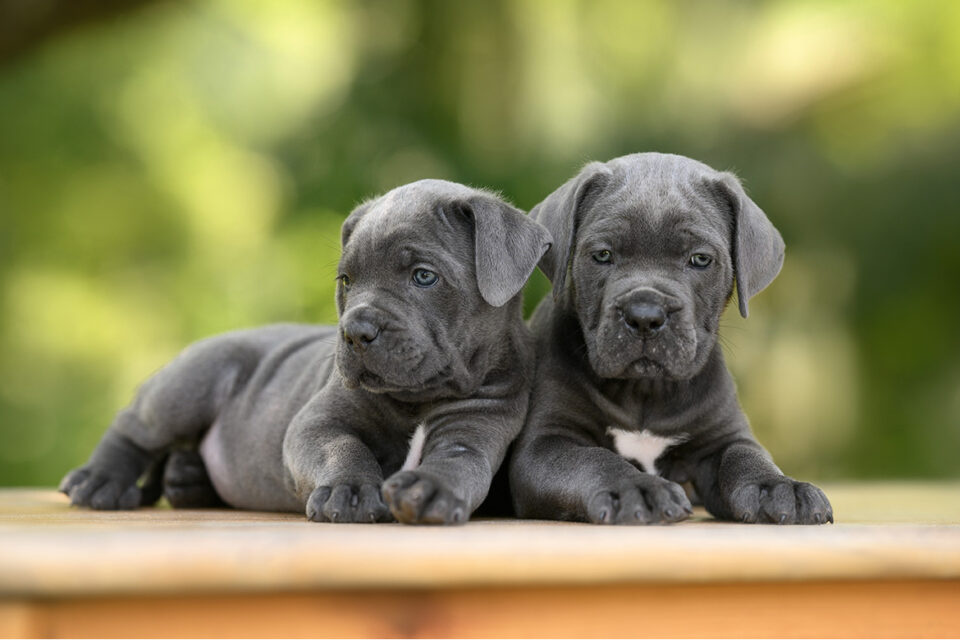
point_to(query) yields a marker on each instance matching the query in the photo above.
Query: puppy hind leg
(186, 484)
(178, 402)
(109, 479)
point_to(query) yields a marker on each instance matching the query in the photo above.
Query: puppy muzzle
(645, 333)
(378, 353)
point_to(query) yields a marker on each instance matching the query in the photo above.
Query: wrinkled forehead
(405, 218)
(661, 202)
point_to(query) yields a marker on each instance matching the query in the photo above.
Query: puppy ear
(351, 222)
(507, 247)
(757, 246)
(560, 213)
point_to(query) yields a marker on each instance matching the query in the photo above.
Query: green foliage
(183, 170)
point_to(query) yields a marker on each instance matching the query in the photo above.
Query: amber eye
(603, 256)
(700, 260)
(425, 278)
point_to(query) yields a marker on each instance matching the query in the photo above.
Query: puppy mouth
(387, 377)
(645, 367)
(369, 381)
(375, 382)
(668, 355)
(642, 367)
(434, 387)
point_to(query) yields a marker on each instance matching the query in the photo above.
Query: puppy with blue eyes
(632, 398)
(424, 382)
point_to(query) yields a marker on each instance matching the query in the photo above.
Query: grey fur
(631, 344)
(299, 418)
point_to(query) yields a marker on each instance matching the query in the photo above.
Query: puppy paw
(186, 483)
(97, 489)
(347, 503)
(781, 500)
(415, 497)
(640, 500)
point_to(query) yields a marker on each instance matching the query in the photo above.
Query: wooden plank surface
(815, 609)
(49, 549)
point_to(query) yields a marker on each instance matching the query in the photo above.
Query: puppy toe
(315, 504)
(632, 506)
(72, 479)
(745, 503)
(667, 505)
(812, 505)
(396, 483)
(601, 508)
(129, 499)
(778, 503)
(340, 504)
(371, 507)
(411, 501)
(444, 509)
(680, 498)
(105, 497)
(82, 492)
(415, 497)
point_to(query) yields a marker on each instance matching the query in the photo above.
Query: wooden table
(889, 567)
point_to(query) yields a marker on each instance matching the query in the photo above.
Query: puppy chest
(643, 446)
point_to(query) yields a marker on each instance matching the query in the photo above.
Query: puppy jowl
(430, 352)
(632, 397)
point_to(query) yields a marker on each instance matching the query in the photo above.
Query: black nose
(360, 333)
(644, 317)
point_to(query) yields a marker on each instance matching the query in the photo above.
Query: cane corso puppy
(632, 398)
(425, 381)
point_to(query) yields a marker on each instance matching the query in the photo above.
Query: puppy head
(646, 251)
(425, 276)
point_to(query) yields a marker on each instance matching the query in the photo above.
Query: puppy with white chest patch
(424, 382)
(632, 398)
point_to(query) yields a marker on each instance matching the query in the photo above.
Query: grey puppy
(632, 397)
(430, 385)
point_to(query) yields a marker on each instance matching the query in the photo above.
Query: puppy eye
(603, 256)
(425, 278)
(344, 279)
(700, 260)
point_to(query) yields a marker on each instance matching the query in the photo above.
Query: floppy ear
(507, 247)
(351, 222)
(757, 246)
(560, 214)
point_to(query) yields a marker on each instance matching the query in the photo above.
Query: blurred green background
(169, 170)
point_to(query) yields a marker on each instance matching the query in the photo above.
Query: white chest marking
(416, 449)
(642, 446)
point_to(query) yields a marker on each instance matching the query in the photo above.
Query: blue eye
(603, 257)
(425, 278)
(700, 260)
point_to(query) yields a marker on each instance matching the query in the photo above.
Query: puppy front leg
(335, 475)
(463, 447)
(452, 479)
(741, 482)
(567, 477)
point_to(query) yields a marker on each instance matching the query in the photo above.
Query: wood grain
(51, 548)
(844, 609)
(889, 567)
